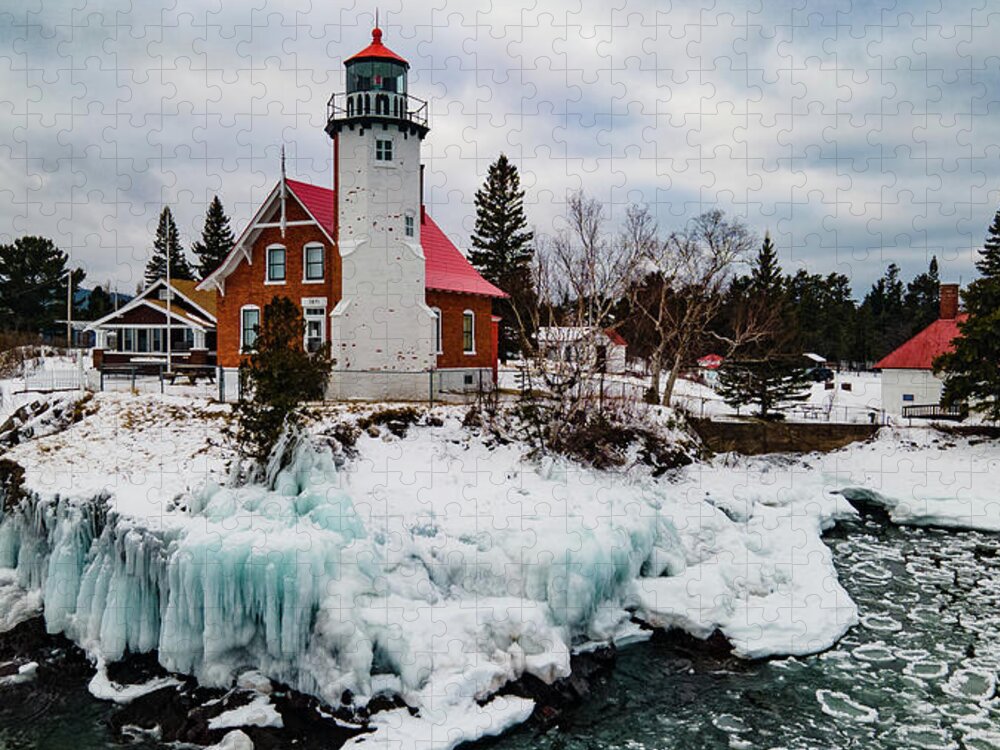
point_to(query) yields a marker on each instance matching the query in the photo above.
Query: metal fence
(452, 385)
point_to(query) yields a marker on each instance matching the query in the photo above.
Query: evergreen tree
(276, 379)
(502, 251)
(771, 383)
(156, 268)
(765, 275)
(99, 303)
(884, 315)
(922, 301)
(989, 257)
(33, 284)
(971, 371)
(769, 374)
(216, 239)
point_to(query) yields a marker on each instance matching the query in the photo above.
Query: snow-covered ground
(437, 565)
(853, 397)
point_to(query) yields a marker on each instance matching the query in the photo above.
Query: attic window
(276, 263)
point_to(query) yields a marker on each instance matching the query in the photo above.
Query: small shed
(603, 349)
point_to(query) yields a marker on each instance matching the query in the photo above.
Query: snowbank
(921, 477)
(436, 567)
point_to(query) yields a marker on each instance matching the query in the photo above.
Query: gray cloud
(858, 134)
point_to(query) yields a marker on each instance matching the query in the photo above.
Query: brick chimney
(949, 301)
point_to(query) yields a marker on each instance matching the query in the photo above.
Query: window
(383, 150)
(249, 327)
(469, 332)
(408, 225)
(276, 263)
(128, 340)
(315, 328)
(313, 263)
(437, 330)
(907, 397)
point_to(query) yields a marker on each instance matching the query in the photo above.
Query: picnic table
(191, 372)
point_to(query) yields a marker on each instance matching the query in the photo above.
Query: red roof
(377, 50)
(920, 352)
(710, 361)
(614, 337)
(318, 200)
(447, 269)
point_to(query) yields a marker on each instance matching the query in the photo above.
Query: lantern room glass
(376, 76)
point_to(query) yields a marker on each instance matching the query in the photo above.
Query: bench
(191, 372)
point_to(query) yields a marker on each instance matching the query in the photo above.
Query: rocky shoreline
(183, 713)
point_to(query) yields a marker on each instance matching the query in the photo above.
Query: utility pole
(170, 295)
(69, 305)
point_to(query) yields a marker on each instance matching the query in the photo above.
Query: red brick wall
(452, 306)
(245, 285)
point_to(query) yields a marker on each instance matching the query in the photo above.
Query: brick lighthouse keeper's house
(373, 273)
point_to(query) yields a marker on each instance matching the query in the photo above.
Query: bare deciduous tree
(683, 288)
(580, 275)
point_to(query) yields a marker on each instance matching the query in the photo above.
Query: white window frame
(267, 264)
(380, 149)
(409, 224)
(243, 310)
(438, 331)
(469, 314)
(305, 262)
(320, 316)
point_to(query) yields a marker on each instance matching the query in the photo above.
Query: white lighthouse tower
(382, 332)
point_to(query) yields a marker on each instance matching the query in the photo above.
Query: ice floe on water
(840, 706)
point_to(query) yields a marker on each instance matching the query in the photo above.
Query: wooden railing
(936, 411)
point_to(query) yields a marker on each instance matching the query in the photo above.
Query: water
(919, 672)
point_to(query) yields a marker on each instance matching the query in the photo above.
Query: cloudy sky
(858, 136)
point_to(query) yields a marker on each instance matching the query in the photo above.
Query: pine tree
(769, 374)
(971, 373)
(33, 284)
(277, 378)
(503, 250)
(216, 239)
(989, 257)
(771, 384)
(765, 275)
(156, 268)
(922, 301)
(99, 303)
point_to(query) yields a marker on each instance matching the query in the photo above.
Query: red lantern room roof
(377, 51)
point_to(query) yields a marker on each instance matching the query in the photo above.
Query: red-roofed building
(377, 279)
(908, 377)
(602, 348)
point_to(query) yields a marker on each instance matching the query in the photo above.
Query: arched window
(313, 262)
(275, 264)
(469, 332)
(249, 327)
(437, 330)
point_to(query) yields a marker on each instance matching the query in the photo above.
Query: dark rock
(135, 669)
(552, 700)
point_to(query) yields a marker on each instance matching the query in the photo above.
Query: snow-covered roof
(566, 334)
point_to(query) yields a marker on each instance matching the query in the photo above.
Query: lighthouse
(381, 330)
